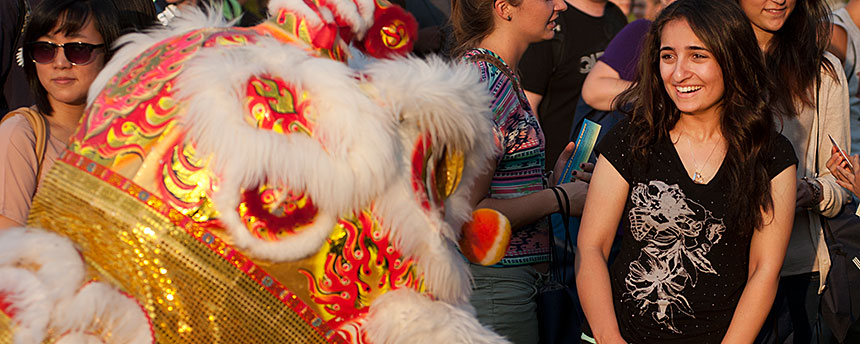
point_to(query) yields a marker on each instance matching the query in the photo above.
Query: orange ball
(485, 239)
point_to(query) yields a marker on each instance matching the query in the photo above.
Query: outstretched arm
(767, 251)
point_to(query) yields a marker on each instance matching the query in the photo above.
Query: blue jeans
(506, 300)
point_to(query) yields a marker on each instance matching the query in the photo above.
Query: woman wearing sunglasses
(67, 43)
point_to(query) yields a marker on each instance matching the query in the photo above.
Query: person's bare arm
(527, 209)
(534, 101)
(838, 42)
(6, 222)
(767, 251)
(602, 85)
(604, 206)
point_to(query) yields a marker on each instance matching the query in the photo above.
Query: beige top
(18, 172)
(807, 251)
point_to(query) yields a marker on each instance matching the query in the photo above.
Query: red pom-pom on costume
(393, 33)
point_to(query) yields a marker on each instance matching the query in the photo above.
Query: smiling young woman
(67, 43)
(701, 183)
(813, 97)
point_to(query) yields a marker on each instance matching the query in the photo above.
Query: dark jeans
(794, 315)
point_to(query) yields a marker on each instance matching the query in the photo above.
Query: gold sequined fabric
(194, 287)
(5, 329)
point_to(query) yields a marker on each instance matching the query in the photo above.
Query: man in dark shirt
(553, 71)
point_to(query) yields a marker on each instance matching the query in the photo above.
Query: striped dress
(519, 169)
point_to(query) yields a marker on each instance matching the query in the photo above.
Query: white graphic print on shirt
(679, 233)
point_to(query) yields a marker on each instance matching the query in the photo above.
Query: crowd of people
(714, 164)
(718, 113)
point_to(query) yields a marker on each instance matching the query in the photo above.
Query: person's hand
(576, 191)
(585, 174)
(559, 164)
(804, 194)
(844, 177)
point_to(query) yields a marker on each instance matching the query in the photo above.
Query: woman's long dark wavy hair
(747, 122)
(796, 54)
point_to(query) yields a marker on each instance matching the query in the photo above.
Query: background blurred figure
(624, 5)
(66, 44)
(232, 9)
(135, 15)
(637, 10)
(615, 69)
(845, 44)
(14, 92)
(434, 33)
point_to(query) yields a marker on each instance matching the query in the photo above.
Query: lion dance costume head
(244, 185)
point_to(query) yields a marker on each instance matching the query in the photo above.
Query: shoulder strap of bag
(484, 57)
(40, 129)
(557, 268)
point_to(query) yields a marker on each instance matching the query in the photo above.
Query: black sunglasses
(77, 53)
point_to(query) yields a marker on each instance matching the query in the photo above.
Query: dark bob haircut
(69, 17)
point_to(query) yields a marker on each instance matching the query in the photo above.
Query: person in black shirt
(554, 70)
(702, 184)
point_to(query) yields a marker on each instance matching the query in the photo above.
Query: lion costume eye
(448, 171)
(436, 173)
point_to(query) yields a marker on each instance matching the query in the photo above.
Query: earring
(509, 18)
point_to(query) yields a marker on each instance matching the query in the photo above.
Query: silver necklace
(697, 174)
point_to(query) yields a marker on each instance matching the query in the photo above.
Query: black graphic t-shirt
(556, 69)
(682, 266)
